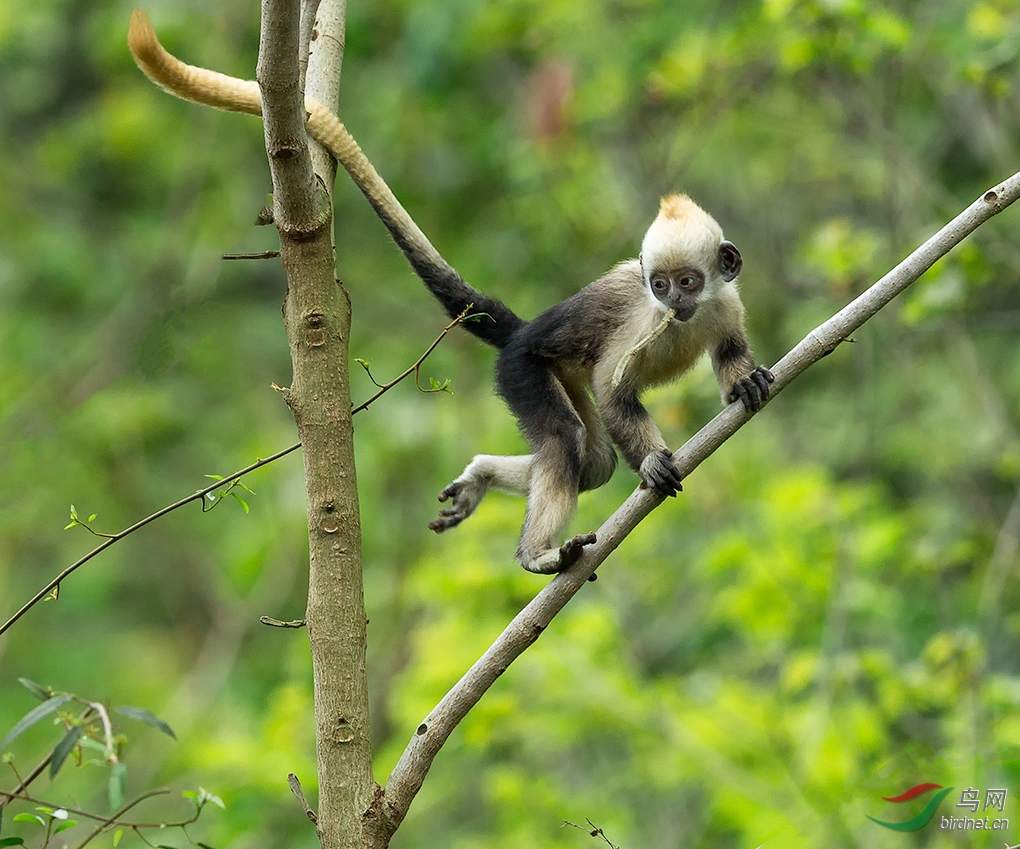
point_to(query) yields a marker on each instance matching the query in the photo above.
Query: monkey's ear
(730, 262)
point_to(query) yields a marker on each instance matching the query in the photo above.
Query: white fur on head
(682, 234)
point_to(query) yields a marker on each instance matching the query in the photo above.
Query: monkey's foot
(467, 493)
(557, 559)
(659, 472)
(753, 390)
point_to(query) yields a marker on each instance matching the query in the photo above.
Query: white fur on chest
(682, 343)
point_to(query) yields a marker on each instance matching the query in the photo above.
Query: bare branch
(299, 205)
(413, 369)
(195, 496)
(200, 495)
(409, 773)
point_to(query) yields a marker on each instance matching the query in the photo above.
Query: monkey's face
(678, 289)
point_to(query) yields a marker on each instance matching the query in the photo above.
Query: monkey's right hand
(659, 473)
(467, 494)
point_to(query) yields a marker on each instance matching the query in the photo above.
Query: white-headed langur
(572, 376)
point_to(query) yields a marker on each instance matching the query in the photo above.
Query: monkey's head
(684, 257)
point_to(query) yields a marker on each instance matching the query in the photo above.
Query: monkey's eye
(660, 284)
(686, 282)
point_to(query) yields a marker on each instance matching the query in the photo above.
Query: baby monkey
(573, 375)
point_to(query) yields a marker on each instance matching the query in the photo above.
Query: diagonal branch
(409, 773)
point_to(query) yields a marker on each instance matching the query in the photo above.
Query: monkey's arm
(635, 434)
(737, 374)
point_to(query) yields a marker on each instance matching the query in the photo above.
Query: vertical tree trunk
(317, 316)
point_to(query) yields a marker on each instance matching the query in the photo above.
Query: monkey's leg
(598, 459)
(552, 501)
(485, 471)
(558, 436)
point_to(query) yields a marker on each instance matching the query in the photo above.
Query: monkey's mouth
(686, 312)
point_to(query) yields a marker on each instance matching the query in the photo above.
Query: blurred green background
(827, 615)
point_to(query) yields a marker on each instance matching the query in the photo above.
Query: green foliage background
(827, 615)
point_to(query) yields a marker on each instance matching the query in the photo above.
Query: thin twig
(104, 716)
(114, 821)
(592, 830)
(110, 539)
(279, 623)
(621, 367)
(299, 794)
(256, 255)
(108, 821)
(201, 494)
(413, 369)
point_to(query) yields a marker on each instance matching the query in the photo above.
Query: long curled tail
(235, 95)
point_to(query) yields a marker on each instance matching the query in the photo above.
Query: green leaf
(361, 362)
(37, 690)
(215, 477)
(92, 518)
(205, 796)
(117, 785)
(241, 501)
(34, 715)
(142, 715)
(11, 841)
(63, 749)
(117, 835)
(30, 818)
(65, 825)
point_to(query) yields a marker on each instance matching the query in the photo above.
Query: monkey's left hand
(753, 390)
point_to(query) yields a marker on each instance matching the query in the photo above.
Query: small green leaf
(92, 518)
(63, 749)
(142, 715)
(74, 513)
(70, 525)
(246, 489)
(117, 835)
(33, 716)
(11, 841)
(30, 818)
(65, 825)
(205, 796)
(361, 362)
(37, 690)
(117, 785)
(215, 477)
(241, 501)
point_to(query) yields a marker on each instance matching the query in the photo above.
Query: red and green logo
(919, 820)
